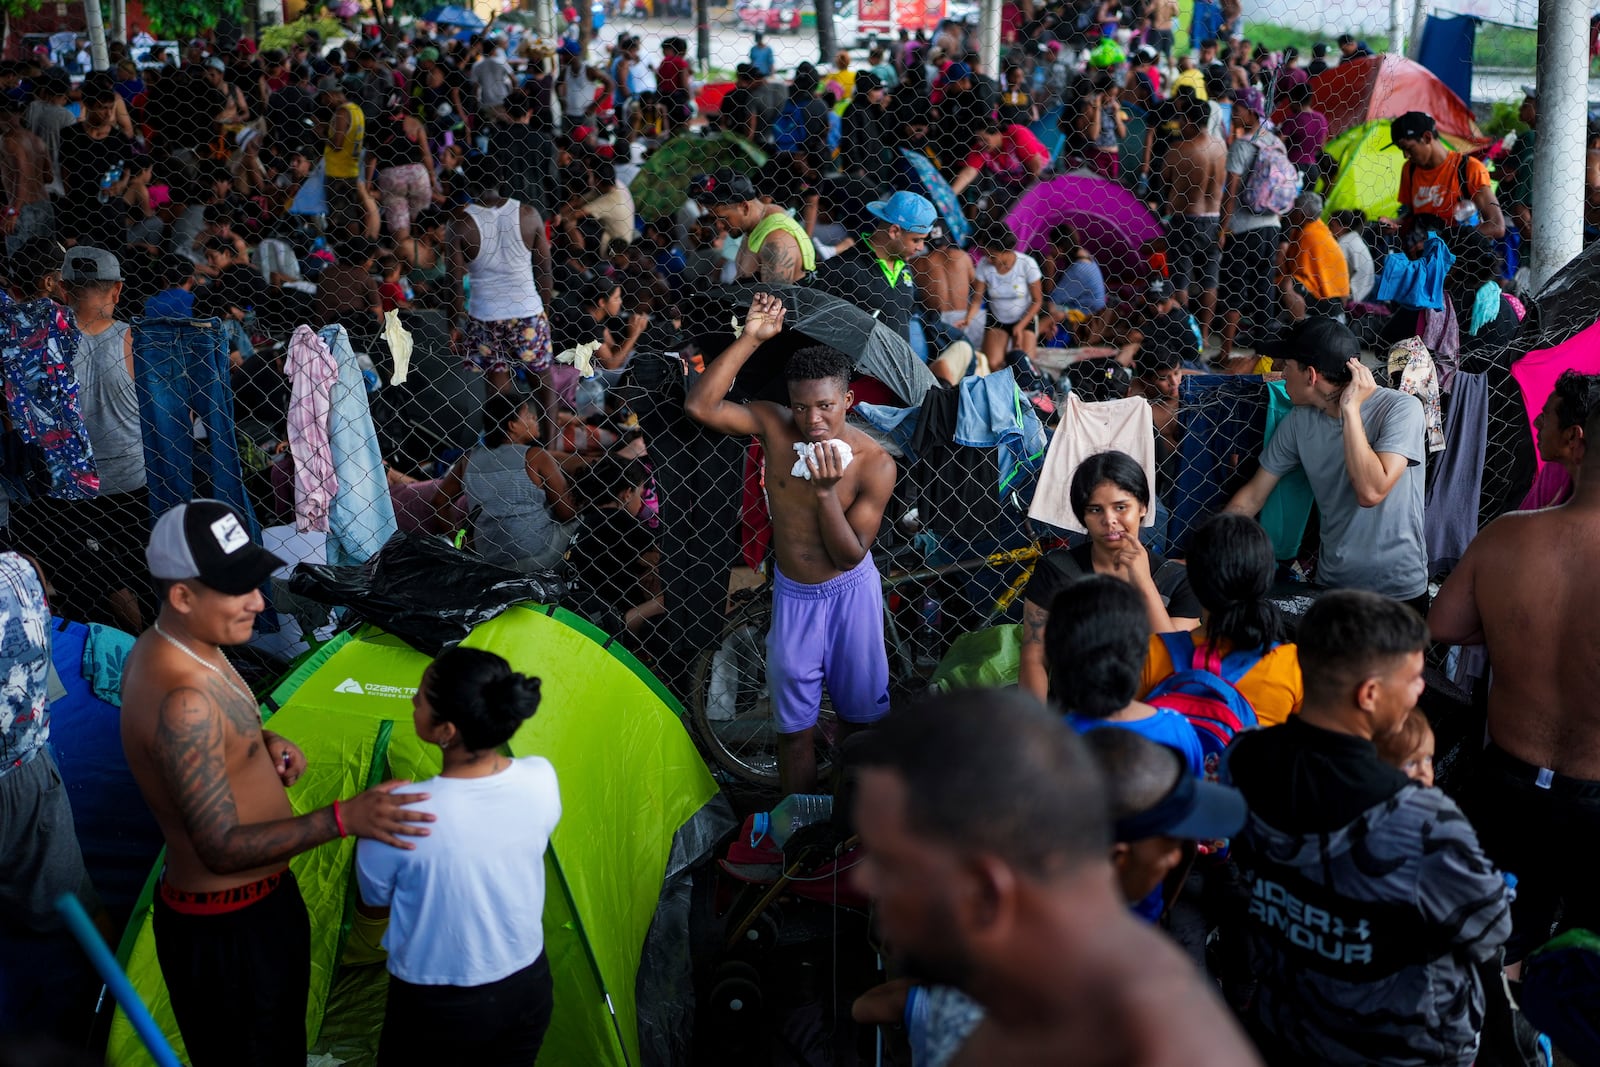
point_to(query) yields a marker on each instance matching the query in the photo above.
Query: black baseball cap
(722, 188)
(1193, 810)
(1411, 125)
(206, 541)
(1319, 342)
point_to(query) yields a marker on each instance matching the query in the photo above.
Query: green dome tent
(631, 780)
(1369, 171)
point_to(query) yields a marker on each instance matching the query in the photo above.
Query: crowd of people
(221, 271)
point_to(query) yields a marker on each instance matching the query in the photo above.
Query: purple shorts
(827, 634)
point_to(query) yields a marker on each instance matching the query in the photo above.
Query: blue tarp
(1446, 50)
(116, 831)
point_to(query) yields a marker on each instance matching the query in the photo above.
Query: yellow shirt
(1273, 686)
(346, 162)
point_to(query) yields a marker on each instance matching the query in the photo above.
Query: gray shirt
(110, 405)
(1378, 548)
(1241, 157)
(493, 79)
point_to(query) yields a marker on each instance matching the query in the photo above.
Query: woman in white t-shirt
(1014, 286)
(468, 978)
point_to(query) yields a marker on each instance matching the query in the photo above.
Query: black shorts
(1245, 282)
(239, 979)
(1533, 823)
(500, 1024)
(1192, 251)
(1160, 40)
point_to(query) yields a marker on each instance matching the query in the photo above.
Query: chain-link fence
(323, 283)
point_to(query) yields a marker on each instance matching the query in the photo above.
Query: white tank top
(502, 271)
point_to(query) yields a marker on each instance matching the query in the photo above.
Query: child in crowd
(1012, 284)
(615, 553)
(1410, 748)
(175, 299)
(392, 292)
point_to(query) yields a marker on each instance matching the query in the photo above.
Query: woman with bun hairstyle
(1231, 566)
(468, 979)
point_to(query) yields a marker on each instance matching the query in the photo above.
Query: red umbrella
(1360, 91)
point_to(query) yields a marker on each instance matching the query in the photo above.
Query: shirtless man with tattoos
(232, 935)
(827, 602)
(776, 249)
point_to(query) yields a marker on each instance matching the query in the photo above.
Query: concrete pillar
(1558, 155)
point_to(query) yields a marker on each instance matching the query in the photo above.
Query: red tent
(1360, 91)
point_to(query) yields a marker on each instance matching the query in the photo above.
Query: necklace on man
(243, 694)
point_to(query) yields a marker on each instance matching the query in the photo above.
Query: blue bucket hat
(910, 212)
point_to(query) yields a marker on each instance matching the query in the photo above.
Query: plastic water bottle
(792, 812)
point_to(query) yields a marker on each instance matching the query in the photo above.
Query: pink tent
(1110, 221)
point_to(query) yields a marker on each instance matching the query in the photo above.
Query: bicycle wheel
(730, 709)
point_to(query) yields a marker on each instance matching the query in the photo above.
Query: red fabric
(672, 74)
(755, 522)
(711, 96)
(1359, 91)
(871, 391)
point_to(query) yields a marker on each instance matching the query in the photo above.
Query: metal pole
(1397, 28)
(119, 21)
(827, 41)
(989, 38)
(97, 34)
(1419, 20)
(1558, 155)
(702, 33)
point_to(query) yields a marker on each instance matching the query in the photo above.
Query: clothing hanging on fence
(1450, 515)
(181, 366)
(38, 343)
(1288, 508)
(1085, 429)
(312, 372)
(954, 484)
(333, 418)
(897, 425)
(993, 413)
(1440, 332)
(1224, 420)
(755, 518)
(1411, 360)
(1416, 283)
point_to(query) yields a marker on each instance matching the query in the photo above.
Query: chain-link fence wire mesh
(292, 189)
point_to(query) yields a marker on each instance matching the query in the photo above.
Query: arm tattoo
(190, 745)
(776, 262)
(1034, 619)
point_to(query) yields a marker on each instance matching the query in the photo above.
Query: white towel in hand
(808, 450)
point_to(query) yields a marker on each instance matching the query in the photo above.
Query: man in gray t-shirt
(1361, 447)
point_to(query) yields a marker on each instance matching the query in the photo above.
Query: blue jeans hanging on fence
(181, 365)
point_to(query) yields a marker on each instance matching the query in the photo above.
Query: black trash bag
(426, 591)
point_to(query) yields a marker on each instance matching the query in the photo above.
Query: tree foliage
(175, 19)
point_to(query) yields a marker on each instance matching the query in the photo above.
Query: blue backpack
(1206, 694)
(789, 132)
